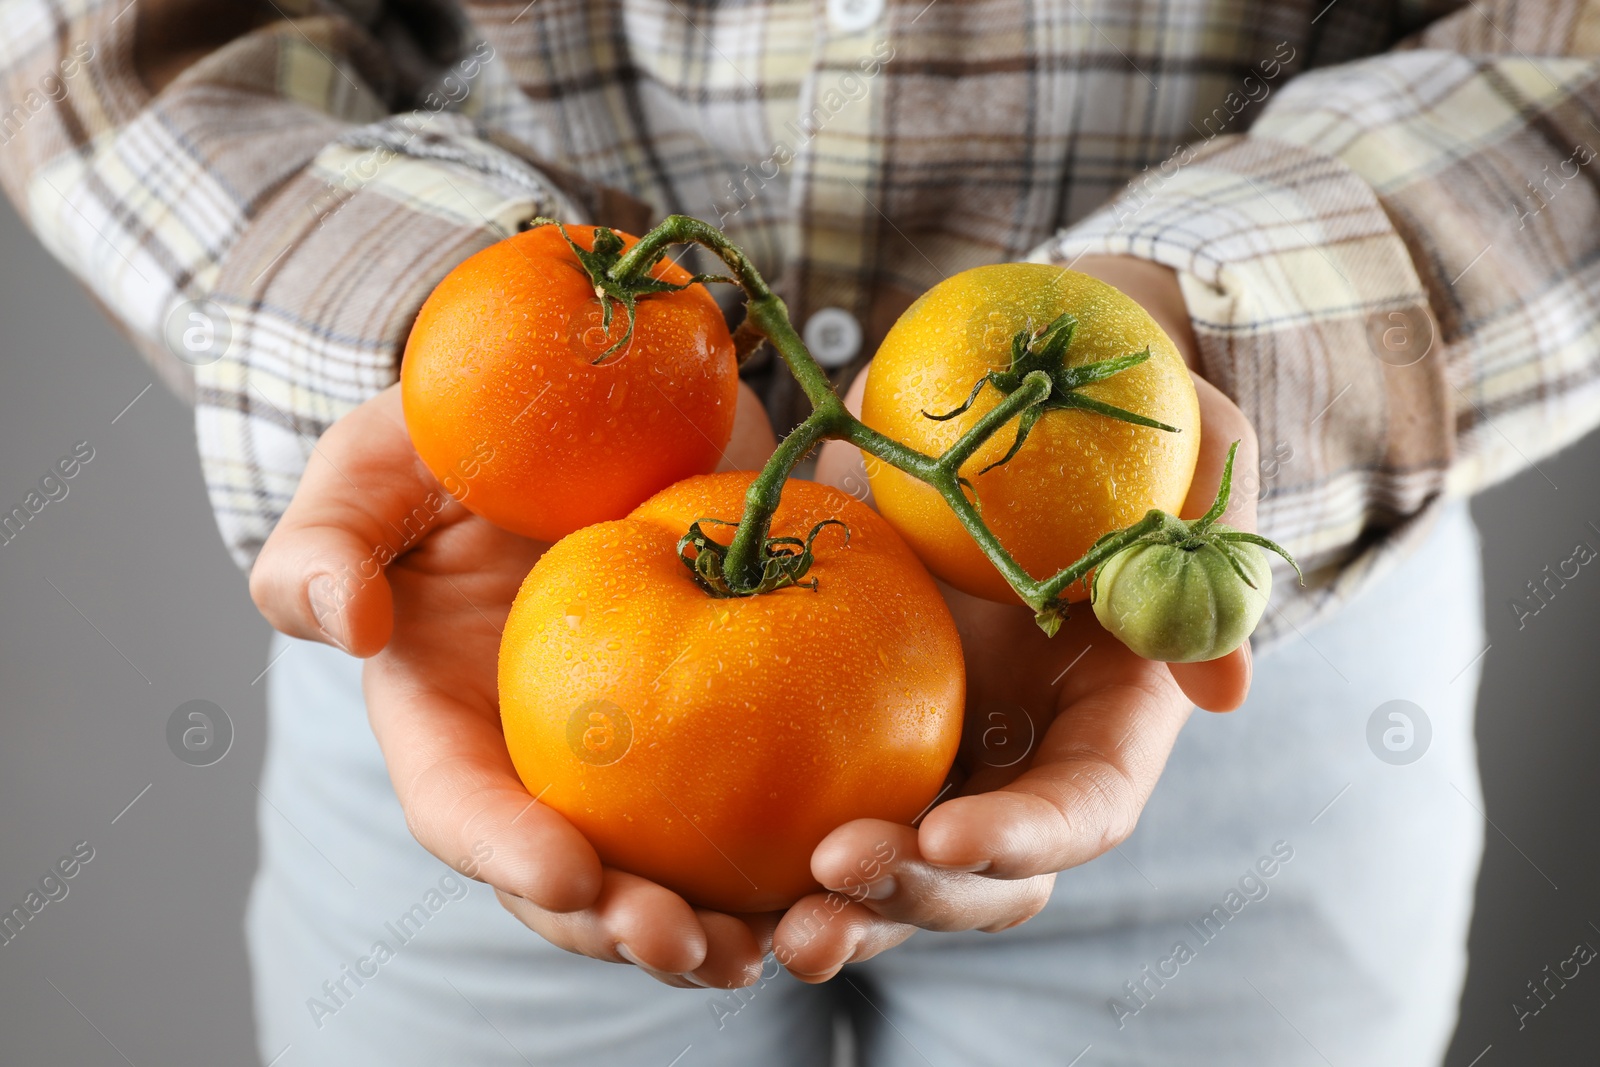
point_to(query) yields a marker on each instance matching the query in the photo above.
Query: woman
(1314, 204)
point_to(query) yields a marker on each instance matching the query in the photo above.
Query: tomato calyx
(1161, 528)
(620, 289)
(1046, 351)
(1204, 532)
(1185, 592)
(784, 560)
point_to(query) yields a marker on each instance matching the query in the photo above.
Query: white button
(853, 16)
(834, 336)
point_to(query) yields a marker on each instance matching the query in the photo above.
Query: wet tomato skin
(505, 406)
(1080, 474)
(710, 744)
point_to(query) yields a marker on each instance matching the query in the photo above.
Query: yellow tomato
(1080, 474)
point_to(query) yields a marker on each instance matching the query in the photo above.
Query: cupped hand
(374, 556)
(1064, 741)
(1065, 738)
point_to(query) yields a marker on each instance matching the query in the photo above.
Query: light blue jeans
(1288, 898)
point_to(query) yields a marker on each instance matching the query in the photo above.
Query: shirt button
(853, 16)
(834, 336)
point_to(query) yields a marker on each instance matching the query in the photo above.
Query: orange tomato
(1080, 474)
(506, 407)
(710, 744)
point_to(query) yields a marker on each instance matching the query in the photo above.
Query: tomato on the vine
(710, 743)
(1183, 605)
(1185, 591)
(507, 405)
(1079, 474)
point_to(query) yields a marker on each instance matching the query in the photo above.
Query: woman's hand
(428, 624)
(1065, 738)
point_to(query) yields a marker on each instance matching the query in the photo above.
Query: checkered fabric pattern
(1385, 214)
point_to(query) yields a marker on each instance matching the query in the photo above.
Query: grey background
(120, 604)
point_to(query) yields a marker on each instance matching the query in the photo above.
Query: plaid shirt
(1384, 213)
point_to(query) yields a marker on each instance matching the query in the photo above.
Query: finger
(841, 464)
(1089, 781)
(734, 950)
(1221, 424)
(633, 920)
(824, 931)
(461, 794)
(364, 498)
(753, 441)
(761, 927)
(1220, 684)
(1223, 683)
(907, 889)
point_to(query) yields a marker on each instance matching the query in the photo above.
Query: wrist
(1156, 289)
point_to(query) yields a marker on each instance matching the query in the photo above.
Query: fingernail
(627, 953)
(819, 976)
(882, 889)
(323, 595)
(970, 868)
(691, 977)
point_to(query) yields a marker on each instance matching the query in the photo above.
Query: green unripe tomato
(1182, 605)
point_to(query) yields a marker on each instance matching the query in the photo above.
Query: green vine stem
(754, 562)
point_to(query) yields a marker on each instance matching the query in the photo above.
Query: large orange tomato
(506, 406)
(1080, 474)
(710, 744)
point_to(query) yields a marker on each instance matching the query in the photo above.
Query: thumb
(1223, 683)
(365, 497)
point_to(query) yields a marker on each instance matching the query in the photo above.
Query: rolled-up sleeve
(1396, 274)
(266, 224)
